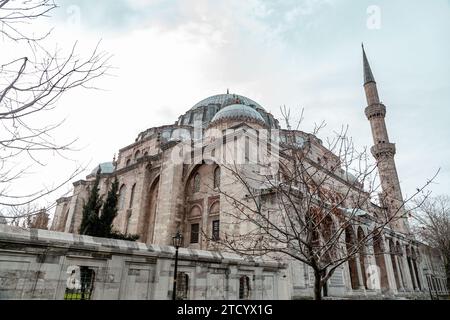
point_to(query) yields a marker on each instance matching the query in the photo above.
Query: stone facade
(39, 264)
(159, 194)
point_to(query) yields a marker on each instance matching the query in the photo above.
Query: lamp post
(176, 241)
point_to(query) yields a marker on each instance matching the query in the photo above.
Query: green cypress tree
(109, 211)
(90, 221)
(101, 225)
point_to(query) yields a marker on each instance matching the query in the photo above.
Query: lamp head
(177, 240)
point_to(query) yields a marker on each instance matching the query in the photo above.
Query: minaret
(384, 152)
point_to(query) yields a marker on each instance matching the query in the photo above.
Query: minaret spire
(384, 151)
(368, 75)
(370, 86)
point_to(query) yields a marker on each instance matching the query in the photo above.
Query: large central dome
(205, 110)
(228, 98)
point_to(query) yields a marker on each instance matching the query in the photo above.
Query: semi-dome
(238, 112)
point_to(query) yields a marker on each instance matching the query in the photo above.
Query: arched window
(132, 196)
(217, 178)
(195, 232)
(128, 162)
(182, 286)
(244, 287)
(196, 186)
(122, 192)
(195, 216)
(137, 154)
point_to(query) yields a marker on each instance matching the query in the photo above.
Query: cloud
(171, 54)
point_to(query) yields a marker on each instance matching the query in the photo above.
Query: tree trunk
(325, 290)
(317, 286)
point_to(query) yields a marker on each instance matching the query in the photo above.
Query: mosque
(162, 192)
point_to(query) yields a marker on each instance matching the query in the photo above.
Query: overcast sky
(168, 55)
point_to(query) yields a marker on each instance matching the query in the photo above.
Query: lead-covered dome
(226, 99)
(238, 112)
(204, 111)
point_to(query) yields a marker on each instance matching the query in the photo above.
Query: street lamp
(177, 240)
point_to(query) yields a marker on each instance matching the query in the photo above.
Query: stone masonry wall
(36, 264)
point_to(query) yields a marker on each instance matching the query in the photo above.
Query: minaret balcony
(383, 149)
(375, 110)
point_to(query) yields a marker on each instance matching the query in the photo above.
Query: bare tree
(21, 215)
(432, 226)
(30, 86)
(306, 210)
(29, 216)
